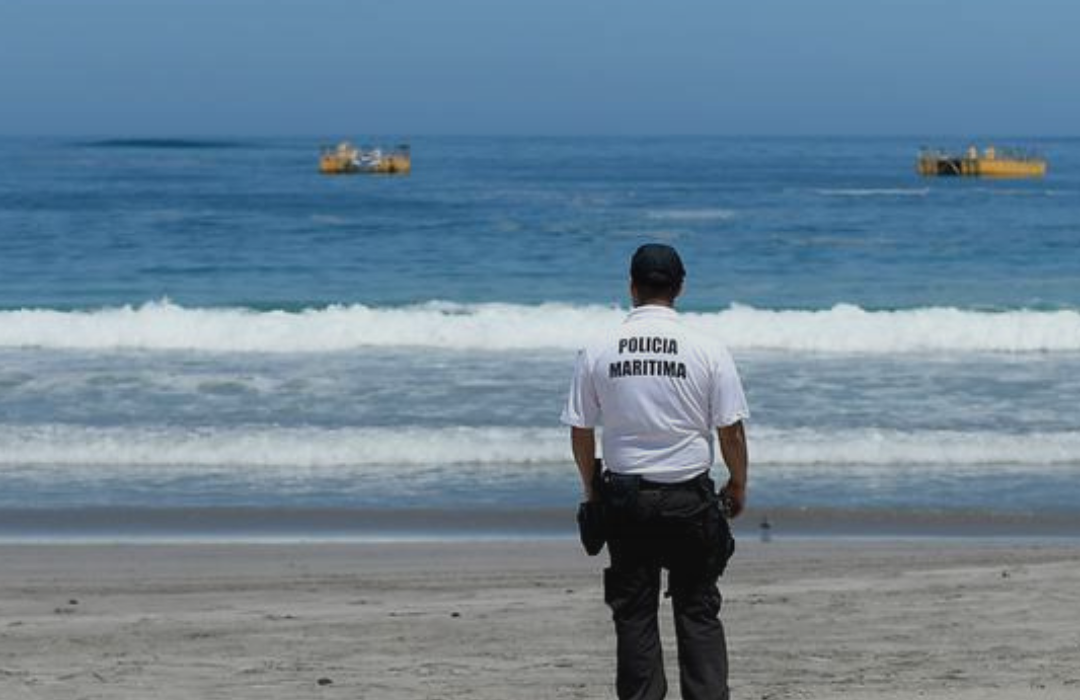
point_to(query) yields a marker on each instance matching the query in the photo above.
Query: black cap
(657, 265)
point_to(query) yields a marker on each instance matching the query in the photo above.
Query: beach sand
(824, 618)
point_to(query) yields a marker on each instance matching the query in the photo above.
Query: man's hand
(734, 497)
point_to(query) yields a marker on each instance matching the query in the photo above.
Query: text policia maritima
(649, 367)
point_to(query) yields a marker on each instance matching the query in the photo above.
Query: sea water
(187, 324)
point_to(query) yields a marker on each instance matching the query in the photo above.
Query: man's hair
(659, 289)
(657, 272)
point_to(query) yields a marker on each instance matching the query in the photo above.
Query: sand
(827, 618)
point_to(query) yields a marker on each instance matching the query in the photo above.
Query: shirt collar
(652, 311)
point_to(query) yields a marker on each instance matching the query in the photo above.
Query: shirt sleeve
(728, 402)
(582, 405)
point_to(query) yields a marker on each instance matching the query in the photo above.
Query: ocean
(196, 329)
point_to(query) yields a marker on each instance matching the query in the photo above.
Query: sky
(589, 67)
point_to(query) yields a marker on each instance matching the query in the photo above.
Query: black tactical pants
(678, 528)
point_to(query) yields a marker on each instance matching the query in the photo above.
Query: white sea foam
(875, 192)
(704, 214)
(301, 448)
(309, 451)
(495, 326)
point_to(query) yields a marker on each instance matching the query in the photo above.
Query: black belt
(646, 485)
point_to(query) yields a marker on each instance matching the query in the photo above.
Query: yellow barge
(990, 163)
(346, 159)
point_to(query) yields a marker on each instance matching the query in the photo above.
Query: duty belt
(646, 485)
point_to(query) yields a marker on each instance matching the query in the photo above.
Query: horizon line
(225, 135)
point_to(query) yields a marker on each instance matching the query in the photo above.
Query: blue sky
(263, 67)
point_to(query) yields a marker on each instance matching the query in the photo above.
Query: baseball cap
(657, 265)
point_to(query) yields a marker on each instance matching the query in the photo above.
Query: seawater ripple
(844, 328)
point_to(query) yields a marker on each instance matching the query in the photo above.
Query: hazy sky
(259, 67)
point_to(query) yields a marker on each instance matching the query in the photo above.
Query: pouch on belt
(620, 491)
(590, 517)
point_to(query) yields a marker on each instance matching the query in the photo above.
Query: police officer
(661, 391)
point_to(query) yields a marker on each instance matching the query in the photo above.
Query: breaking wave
(497, 327)
(305, 451)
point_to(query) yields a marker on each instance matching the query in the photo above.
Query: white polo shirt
(659, 390)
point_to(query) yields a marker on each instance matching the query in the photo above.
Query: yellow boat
(346, 159)
(991, 163)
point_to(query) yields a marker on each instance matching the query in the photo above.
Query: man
(660, 390)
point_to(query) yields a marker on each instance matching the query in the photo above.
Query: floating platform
(990, 163)
(346, 159)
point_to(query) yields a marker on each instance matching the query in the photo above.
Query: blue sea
(198, 327)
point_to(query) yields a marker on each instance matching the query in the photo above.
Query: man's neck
(668, 303)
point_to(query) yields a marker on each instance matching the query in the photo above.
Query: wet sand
(98, 523)
(812, 618)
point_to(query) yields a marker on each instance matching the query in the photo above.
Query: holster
(718, 536)
(620, 491)
(591, 518)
